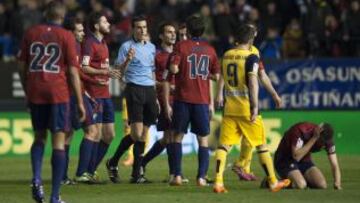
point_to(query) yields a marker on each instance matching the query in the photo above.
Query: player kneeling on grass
(293, 156)
(239, 72)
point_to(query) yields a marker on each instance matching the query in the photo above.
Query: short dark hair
(327, 133)
(93, 19)
(54, 10)
(163, 25)
(245, 33)
(195, 25)
(137, 19)
(71, 23)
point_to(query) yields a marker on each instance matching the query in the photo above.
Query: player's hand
(219, 101)
(278, 101)
(254, 114)
(211, 111)
(82, 112)
(337, 186)
(115, 73)
(130, 55)
(317, 131)
(102, 82)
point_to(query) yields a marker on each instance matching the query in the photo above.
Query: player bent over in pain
(293, 155)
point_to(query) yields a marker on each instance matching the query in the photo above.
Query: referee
(136, 60)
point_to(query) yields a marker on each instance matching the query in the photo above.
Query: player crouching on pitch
(293, 155)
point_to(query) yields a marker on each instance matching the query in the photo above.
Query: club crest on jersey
(299, 143)
(86, 60)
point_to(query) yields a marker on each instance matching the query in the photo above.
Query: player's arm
(22, 67)
(251, 68)
(88, 79)
(335, 169)
(265, 80)
(334, 164)
(73, 74)
(215, 68)
(219, 100)
(299, 153)
(166, 95)
(76, 85)
(125, 55)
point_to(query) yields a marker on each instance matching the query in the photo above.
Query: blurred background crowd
(288, 29)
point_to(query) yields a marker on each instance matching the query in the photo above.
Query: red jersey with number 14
(48, 50)
(196, 60)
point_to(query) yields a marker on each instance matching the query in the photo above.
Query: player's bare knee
(203, 141)
(321, 185)
(91, 133)
(300, 184)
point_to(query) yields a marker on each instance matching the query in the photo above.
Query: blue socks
(86, 147)
(66, 166)
(169, 151)
(58, 165)
(124, 145)
(177, 156)
(92, 165)
(37, 152)
(155, 150)
(101, 152)
(203, 159)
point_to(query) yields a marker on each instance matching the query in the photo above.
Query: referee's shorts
(141, 104)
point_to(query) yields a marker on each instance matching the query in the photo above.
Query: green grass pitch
(15, 175)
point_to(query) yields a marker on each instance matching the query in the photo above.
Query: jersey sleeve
(252, 65)
(87, 53)
(330, 147)
(70, 51)
(215, 65)
(123, 50)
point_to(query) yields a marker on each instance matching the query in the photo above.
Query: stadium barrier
(16, 134)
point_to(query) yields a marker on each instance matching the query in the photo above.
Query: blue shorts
(53, 117)
(283, 168)
(89, 106)
(106, 111)
(197, 115)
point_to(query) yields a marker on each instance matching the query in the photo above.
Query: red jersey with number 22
(48, 50)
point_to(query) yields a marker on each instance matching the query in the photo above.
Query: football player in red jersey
(75, 25)
(194, 62)
(46, 61)
(95, 62)
(293, 155)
